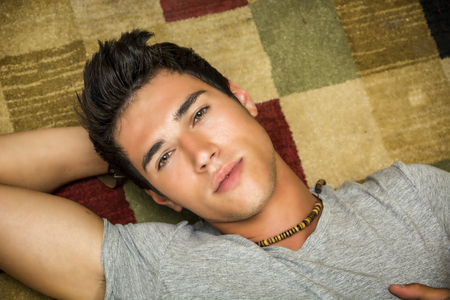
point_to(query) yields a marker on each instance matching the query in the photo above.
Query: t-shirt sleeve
(433, 184)
(131, 255)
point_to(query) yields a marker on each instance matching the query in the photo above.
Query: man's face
(199, 147)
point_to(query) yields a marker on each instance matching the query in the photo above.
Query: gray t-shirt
(394, 228)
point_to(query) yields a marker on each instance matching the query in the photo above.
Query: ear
(164, 201)
(244, 97)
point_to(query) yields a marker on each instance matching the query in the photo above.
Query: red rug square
(175, 10)
(105, 202)
(273, 120)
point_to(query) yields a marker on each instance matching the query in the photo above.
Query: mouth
(228, 177)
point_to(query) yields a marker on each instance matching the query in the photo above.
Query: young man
(178, 129)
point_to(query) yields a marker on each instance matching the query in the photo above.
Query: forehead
(150, 114)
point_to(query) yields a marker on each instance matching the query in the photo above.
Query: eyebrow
(187, 104)
(148, 156)
(182, 110)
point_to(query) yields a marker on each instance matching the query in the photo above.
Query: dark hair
(116, 72)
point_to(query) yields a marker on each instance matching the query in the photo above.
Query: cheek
(216, 128)
(232, 131)
(177, 183)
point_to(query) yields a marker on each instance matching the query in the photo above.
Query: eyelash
(161, 163)
(200, 114)
(197, 117)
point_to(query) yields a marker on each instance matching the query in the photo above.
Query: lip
(228, 177)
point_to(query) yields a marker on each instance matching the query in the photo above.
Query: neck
(290, 203)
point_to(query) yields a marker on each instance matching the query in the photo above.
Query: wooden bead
(302, 225)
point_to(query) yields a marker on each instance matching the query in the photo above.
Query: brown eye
(200, 114)
(163, 159)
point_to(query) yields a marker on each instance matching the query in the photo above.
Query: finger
(415, 291)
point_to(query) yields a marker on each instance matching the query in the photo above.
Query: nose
(200, 149)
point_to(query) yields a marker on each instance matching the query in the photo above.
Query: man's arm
(43, 160)
(49, 243)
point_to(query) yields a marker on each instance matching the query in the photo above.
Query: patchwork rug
(357, 84)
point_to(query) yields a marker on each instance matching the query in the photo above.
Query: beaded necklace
(300, 226)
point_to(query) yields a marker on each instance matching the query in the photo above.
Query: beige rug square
(102, 20)
(238, 53)
(336, 135)
(27, 26)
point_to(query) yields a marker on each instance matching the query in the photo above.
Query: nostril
(213, 154)
(204, 166)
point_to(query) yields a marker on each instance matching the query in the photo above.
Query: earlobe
(164, 201)
(244, 97)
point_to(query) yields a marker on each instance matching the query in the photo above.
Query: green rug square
(443, 164)
(305, 42)
(147, 210)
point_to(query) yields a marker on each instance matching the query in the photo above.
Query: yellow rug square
(39, 88)
(446, 65)
(411, 106)
(385, 35)
(5, 121)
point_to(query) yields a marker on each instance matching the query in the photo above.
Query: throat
(309, 220)
(296, 229)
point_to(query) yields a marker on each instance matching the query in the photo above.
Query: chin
(250, 209)
(260, 195)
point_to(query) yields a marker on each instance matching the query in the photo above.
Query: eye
(163, 160)
(200, 114)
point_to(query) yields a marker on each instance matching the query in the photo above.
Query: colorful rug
(360, 84)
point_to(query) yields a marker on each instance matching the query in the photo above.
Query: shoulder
(422, 175)
(160, 233)
(426, 180)
(136, 253)
(416, 185)
(418, 176)
(408, 185)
